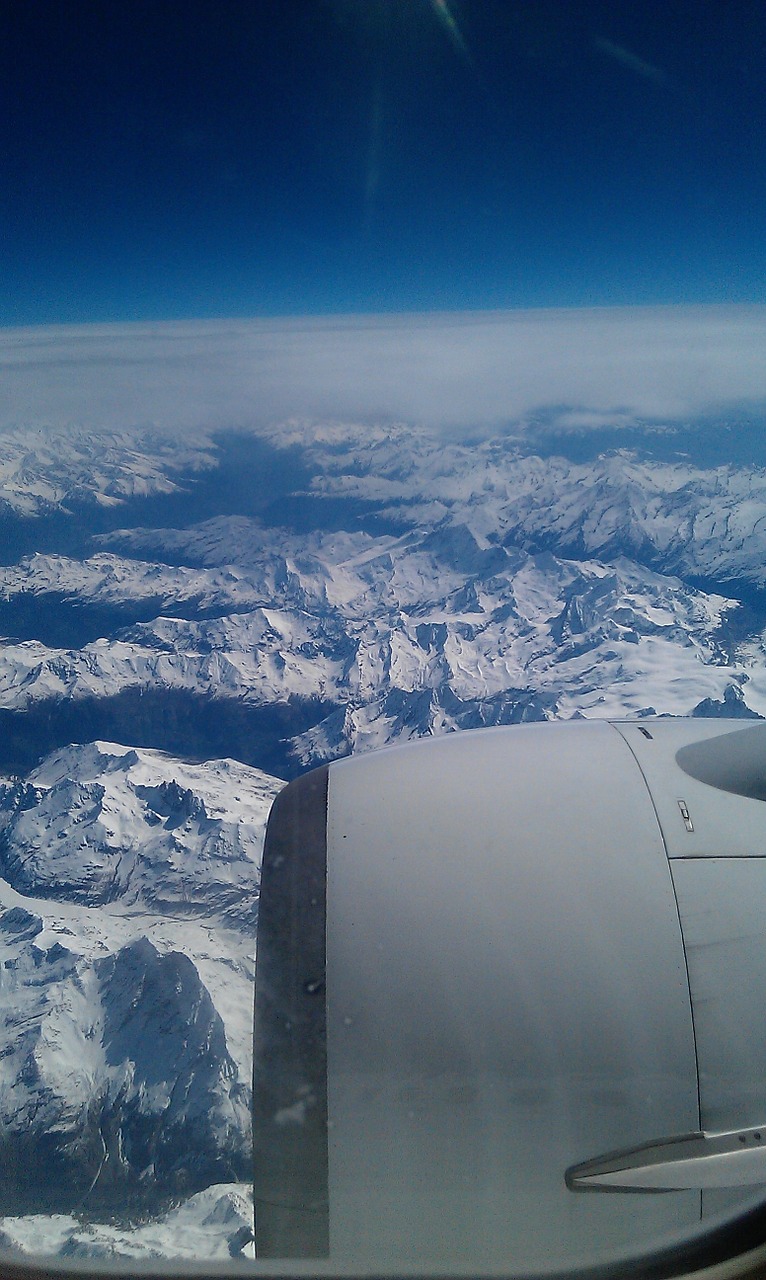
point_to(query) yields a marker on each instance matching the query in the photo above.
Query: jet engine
(510, 997)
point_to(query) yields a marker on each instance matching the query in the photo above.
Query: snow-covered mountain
(212, 1224)
(45, 469)
(382, 635)
(128, 905)
(101, 824)
(675, 515)
(404, 584)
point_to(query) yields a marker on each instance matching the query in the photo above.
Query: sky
(177, 160)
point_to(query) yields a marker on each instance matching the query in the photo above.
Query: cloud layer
(463, 371)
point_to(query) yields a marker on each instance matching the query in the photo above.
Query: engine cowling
(500, 973)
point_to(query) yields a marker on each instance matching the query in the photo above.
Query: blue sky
(284, 157)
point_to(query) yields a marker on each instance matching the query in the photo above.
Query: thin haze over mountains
(458, 372)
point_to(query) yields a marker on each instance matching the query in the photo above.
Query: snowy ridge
(126, 999)
(215, 1223)
(430, 630)
(709, 522)
(101, 823)
(45, 469)
(506, 587)
(109, 580)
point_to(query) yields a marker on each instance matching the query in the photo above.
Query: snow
(523, 588)
(346, 616)
(45, 469)
(709, 522)
(213, 1224)
(108, 1000)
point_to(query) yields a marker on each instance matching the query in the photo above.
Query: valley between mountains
(185, 625)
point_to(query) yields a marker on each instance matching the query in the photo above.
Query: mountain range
(188, 622)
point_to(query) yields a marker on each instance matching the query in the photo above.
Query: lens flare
(447, 19)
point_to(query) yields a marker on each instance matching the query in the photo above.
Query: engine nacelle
(501, 973)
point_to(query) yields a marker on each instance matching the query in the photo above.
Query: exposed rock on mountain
(404, 584)
(368, 637)
(64, 835)
(127, 927)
